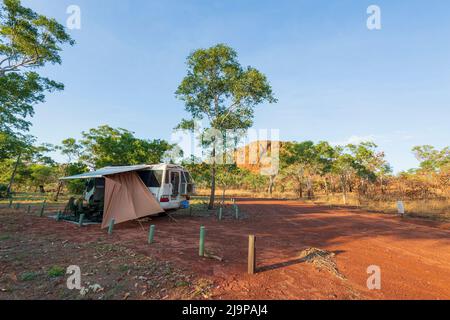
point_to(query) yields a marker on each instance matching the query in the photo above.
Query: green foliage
(228, 175)
(28, 276)
(71, 169)
(27, 40)
(200, 172)
(432, 159)
(217, 88)
(12, 145)
(106, 146)
(71, 149)
(42, 174)
(18, 94)
(254, 181)
(56, 271)
(3, 190)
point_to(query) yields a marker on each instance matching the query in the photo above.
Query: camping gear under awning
(127, 198)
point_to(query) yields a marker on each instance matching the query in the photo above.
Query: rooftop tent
(126, 196)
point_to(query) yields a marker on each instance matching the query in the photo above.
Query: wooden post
(190, 210)
(29, 209)
(10, 203)
(80, 223)
(220, 213)
(236, 208)
(41, 214)
(58, 216)
(151, 234)
(17, 206)
(201, 250)
(251, 254)
(111, 226)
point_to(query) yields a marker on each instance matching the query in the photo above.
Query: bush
(3, 190)
(56, 271)
(28, 276)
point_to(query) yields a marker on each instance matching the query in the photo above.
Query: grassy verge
(435, 209)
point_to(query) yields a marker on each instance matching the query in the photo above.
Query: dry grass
(236, 193)
(436, 209)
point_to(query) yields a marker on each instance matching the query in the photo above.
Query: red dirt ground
(413, 254)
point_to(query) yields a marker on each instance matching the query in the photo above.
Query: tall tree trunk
(333, 186)
(300, 189)
(382, 185)
(309, 188)
(327, 191)
(271, 183)
(344, 189)
(13, 175)
(60, 184)
(213, 180)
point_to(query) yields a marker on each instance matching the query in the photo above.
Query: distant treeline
(307, 168)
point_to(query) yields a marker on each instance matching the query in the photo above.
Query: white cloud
(376, 138)
(355, 139)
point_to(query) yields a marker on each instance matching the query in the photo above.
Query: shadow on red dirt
(414, 255)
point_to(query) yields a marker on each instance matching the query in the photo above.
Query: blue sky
(335, 79)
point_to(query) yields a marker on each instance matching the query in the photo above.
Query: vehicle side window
(188, 177)
(151, 178)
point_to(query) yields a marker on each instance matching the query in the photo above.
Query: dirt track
(414, 255)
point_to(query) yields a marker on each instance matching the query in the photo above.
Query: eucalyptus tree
(369, 164)
(344, 167)
(432, 159)
(218, 90)
(107, 146)
(302, 163)
(28, 41)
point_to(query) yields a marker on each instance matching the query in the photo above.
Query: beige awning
(127, 198)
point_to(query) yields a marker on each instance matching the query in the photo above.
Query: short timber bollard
(151, 234)
(236, 208)
(190, 210)
(111, 226)
(80, 223)
(29, 209)
(41, 214)
(10, 203)
(251, 254)
(201, 250)
(401, 208)
(220, 213)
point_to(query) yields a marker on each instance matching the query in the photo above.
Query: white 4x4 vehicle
(169, 184)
